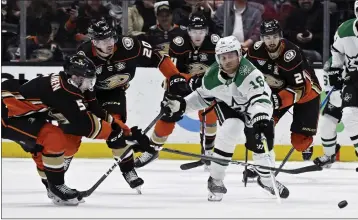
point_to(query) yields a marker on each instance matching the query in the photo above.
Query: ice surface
(169, 192)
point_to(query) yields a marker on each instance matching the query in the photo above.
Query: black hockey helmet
(80, 65)
(197, 21)
(101, 29)
(269, 27)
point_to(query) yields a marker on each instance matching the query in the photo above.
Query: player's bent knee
(328, 126)
(301, 142)
(52, 139)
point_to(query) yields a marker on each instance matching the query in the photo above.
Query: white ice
(169, 192)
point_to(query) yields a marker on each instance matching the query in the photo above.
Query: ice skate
(266, 184)
(49, 193)
(325, 161)
(133, 180)
(307, 154)
(216, 190)
(251, 175)
(145, 158)
(64, 196)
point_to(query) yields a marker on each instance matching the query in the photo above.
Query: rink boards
(143, 104)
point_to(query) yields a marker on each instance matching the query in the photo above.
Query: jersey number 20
(147, 50)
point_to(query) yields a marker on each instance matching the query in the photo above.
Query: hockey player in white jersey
(243, 105)
(331, 115)
(345, 53)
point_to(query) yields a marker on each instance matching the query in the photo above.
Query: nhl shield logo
(98, 70)
(261, 62)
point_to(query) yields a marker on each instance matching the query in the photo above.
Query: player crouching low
(243, 105)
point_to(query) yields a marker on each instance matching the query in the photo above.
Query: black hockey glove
(142, 140)
(178, 86)
(173, 105)
(261, 123)
(195, 82)
(116, 138)
(335, 78)
(276, 101)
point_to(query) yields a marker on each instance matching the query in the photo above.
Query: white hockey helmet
(228, 44)
(356, 8)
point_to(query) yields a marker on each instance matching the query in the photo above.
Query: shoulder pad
(179, 41)
(258, 44)
(128, 43)
(214, 38)
(182, 27)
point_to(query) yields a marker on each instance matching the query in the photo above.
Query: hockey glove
(116, 138)
(178, 86)
(276, 101)
(173, 105)
(195, 82)
(335, 78)
(261, 123)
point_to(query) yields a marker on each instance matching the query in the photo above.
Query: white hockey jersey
(247, 92)
(345, 47)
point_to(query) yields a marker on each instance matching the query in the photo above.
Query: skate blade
(327, 166)
(250, 180)
(70, 202)
(215, 197)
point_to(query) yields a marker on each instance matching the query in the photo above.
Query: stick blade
(306, 169)
(191, 165)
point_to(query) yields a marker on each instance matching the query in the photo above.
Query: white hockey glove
(173, 105)
(335, 98)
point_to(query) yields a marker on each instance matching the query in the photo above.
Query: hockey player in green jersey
(345, 54)
(243, 105)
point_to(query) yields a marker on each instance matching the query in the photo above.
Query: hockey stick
(191, 165)
(245, 172)
(306, 169)
(273, 179)
(323, 103)
(126, 151)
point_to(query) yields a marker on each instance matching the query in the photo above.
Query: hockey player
(345, 54)
(116, 59)
(331, 115)
(243, 104)
(292, 81)
(24, 120)
(193, 53)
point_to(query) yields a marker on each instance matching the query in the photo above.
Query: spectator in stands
(81, 16)
(243, 22)
(304, 27)
(141, 17)
(181, 14)
(161, 34)
(39, 48)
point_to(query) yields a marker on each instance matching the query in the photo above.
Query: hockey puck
(342, 204)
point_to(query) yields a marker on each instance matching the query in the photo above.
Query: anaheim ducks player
(292, 81)
(193, 53)
(24, 120)
(116, 59)
(243, 105)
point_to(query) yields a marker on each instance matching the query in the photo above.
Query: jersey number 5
(147, 50)
(80, 104)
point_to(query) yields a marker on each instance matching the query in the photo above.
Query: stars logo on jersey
(289, 55)
(244, 70)
(127, 43)
(179, 41)
(214, 38)
(352, 63)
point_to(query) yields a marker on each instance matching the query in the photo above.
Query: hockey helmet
(356, 8)
(197, 21)
(227, 44)
(101, 29)
(270, 27)
(80, 65)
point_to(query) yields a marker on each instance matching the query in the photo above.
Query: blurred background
(45, 31)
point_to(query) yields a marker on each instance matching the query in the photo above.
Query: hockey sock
(54, 168)
(329, 145)
(127, 164)
(261, 159)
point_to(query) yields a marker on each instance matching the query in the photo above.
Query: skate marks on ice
(169, 192)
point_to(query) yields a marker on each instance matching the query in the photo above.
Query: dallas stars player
(345, 53)
(243, 105)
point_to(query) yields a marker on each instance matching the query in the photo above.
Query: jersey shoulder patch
(179, 41)
(128, 43)
(211, 79)
(214, 38)
(245, 68)
(346, 29)
(289, 55)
